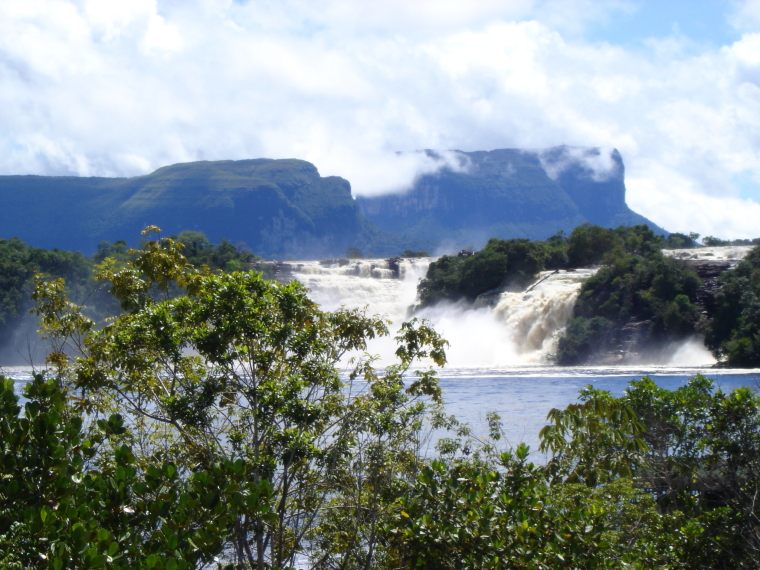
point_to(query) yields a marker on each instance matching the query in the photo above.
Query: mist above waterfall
(501, 329)
(504, 329)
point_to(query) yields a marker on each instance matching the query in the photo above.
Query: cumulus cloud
(745, 15)
(675, 202)
(93, 87)
(598, 162)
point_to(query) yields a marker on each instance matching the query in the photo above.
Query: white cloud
(599, 163)
(94, 87)
(746, 15)
(676, 204)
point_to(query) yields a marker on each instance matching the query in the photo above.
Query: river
(499, 353)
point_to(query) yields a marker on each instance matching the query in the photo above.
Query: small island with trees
(637, 292)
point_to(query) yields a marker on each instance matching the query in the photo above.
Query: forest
(635, 284)
(222, 420)
(19, 263)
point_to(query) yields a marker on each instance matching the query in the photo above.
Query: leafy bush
(556, 252)
(354, 253)
(680, 241)
(411, 253)
(734, 331)
(73, 496)
(588, 244)
(499, 263)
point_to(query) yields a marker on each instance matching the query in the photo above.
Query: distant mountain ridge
(509, 193)
(276, 207)
(284, 208)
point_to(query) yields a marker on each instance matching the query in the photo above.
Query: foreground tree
(243, 369)
(71, 495)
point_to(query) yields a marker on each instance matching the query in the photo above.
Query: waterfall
(387, 286)
(502, 328)
(535, 317)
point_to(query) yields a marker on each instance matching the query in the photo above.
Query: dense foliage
(413, 253)
(636, 284)
(74, 496)
(243, 370)
(499, 263)
(681, 241)
(19, 262)
(214, 428)
(653, 479)
(513, 263)
(713, 241)
(639, 297)
(734, 331)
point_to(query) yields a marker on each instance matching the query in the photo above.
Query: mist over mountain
(510, 193)
(284, 208)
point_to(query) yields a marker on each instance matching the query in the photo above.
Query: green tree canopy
(734, 331)
(243, 370)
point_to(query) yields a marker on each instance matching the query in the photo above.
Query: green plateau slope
(276, 207)
(285, 209)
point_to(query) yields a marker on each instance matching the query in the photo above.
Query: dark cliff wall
(507, 193)
(284, 208)
(276, 207)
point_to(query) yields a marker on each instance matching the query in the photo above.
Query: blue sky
(704, 22)
(98, 87)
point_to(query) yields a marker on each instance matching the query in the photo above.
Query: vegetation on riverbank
(639, 297)
(734, 331)
(658, 295)
(213, 429)
(467, 275)
(635, 284)
(19, 262)
(513, 263)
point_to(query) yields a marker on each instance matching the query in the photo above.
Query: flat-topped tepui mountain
(276, 207)
(284, 208)
(509, 193)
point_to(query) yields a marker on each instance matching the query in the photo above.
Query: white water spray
(501, 329)
(366, 282)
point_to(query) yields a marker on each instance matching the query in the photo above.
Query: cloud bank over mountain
(120, 89)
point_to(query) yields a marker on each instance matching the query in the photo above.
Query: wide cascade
(502, 328)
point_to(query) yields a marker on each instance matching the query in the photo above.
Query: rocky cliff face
(284, 208)
(510, 193)
(278, 208)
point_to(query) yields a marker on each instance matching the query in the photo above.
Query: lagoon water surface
(522, 396)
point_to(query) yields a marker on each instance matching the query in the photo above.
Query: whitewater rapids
(502, 328)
